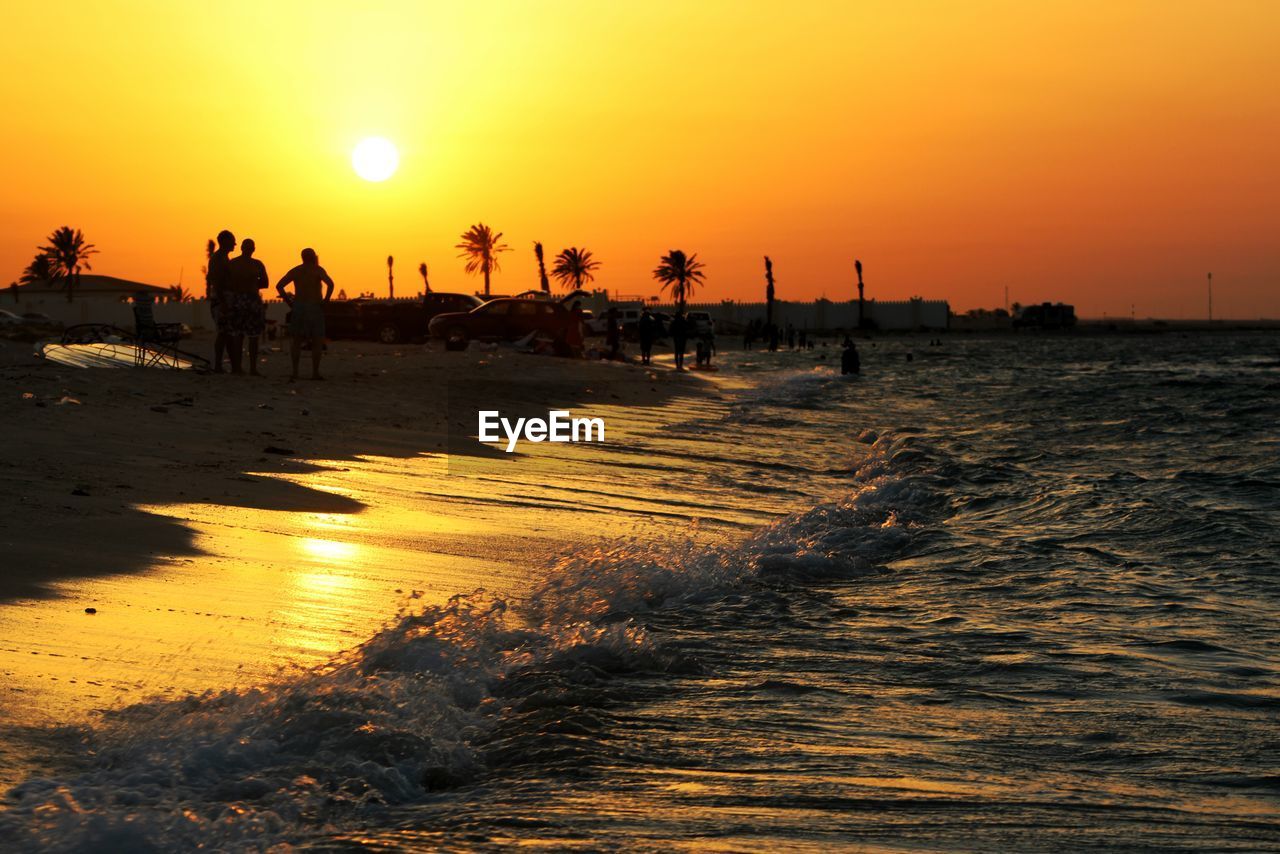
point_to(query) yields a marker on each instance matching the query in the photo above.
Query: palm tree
(69, 253)
(575, 267)
(542, 268)
(862, 304)
(480, 247)
(178, 293)
(391, 279)
(39, 270)
(681, 273)
(768, 293)
(422, 271)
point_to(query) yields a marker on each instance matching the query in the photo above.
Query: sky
(1107, 154)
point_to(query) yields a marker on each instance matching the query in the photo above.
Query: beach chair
(145, 327)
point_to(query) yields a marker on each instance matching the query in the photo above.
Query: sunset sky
(1102, 153)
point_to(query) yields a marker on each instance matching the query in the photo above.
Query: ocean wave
(444, 696)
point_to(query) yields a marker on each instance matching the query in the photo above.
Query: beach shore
(170, 532)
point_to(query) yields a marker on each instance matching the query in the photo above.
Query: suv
(502, 319)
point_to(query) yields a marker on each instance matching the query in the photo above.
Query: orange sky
(1102, 153)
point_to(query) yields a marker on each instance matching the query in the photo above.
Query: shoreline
(280, 523)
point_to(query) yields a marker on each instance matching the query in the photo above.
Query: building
(102, 299)
(1045, 316)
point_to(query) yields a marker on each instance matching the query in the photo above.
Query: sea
(1014, 593)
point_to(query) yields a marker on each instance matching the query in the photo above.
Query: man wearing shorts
(306, 321)
(246, 315)
(217, 279)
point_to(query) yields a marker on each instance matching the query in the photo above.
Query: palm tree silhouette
(862, 303)
(422, 271)
(574, 268)
(39, 270)
(680, 273)
(69, 253)
(542, 268)
(209, 248)
(480, 247)
(768, 292)
(391, 279)
(178, 293)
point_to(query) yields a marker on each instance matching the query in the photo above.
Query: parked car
(392, 321)
(629, 319)
(342, 318)
(502, 319)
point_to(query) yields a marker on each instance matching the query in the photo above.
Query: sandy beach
(173, 532)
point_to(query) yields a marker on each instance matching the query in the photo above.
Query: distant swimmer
(850, 363)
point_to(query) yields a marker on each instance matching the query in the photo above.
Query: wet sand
(225, 528)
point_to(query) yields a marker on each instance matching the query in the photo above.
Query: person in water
(306, 321)
(679, 335)
(246, 314)
(647, 328)
(217, 278)
(849, 361)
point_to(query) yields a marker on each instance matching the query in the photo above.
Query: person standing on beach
(574, 337)
(647, 332)
(307, 318)
(679, 335)
(246, 314)
(217, 278)
(613, 336)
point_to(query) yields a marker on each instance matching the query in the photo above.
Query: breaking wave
(447, 695)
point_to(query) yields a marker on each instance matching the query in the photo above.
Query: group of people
(649, 330)
(234, 287)
(775, 336)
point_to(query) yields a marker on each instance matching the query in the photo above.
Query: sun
(375, 158)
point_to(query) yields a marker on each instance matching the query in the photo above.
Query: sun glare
(375, 158)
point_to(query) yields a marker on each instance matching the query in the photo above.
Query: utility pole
(1211, 297)
(1006, 299)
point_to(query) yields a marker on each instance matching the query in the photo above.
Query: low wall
(119, 313)
(889, 315)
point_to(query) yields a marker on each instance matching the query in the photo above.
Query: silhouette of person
(246, 314)
(647, 329)
(217, 278)
(679, 335)
(306, 321)
(850, 363)
(613, 337)
(574, 338)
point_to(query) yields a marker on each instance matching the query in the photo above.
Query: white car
(599, 324)
(701, 324)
